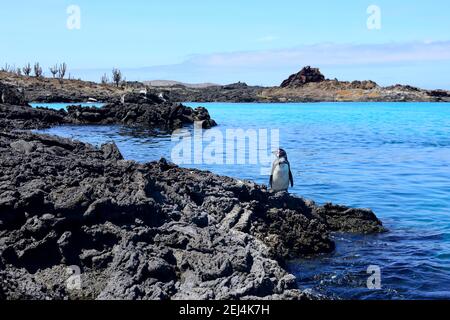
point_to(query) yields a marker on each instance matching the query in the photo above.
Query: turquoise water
(391, 157)
(59, 106)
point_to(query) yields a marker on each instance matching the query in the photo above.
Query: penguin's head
(280, 153)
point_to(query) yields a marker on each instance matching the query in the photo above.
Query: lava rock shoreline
(145, 231)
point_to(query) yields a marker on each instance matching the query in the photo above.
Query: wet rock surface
(148, 231)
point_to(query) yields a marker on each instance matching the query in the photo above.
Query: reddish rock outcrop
(306, 75)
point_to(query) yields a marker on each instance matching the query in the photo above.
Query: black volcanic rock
(147, 114)
(25, 117)
(364, 85)
(148, 231)
(439, 93)
(138, 98)
(238, 92)
(306, 75)
(11, 95)
(234, 86)
(144, 113)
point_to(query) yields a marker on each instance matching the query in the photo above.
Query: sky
(256, 41)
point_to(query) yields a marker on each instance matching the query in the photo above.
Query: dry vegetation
(56, 88)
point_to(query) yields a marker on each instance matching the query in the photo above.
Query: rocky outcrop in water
(13, 117)
(148, 231)
(150, 113)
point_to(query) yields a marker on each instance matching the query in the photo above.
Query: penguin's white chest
(280, 179)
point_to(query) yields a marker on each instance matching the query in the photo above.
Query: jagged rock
(364, 85)
(233, 86)
(439, 93)
(306, 75)
(344, 219)
(151, 115)
(141, 98)
(141, 112)
(18, 284)
(12, 95)
(25, 117)
(201, 114)
(23, 146)
(111, 152)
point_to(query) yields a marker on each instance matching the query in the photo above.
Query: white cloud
(329, 55)
(424, 64)
(268, 38)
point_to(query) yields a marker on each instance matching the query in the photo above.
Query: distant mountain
(170, 83)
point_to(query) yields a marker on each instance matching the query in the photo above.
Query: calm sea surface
(59, 106)
(391, 157)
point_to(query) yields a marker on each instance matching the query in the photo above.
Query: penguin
(281, 174)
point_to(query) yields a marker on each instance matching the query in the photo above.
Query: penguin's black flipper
(274, 164)
(291, 178)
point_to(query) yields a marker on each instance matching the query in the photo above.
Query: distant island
(308, 85)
